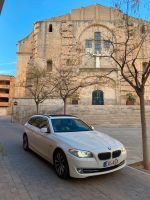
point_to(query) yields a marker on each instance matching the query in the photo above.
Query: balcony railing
(4, 86)
(4, 95)
(4, 104)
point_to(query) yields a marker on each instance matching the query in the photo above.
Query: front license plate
(110, 163)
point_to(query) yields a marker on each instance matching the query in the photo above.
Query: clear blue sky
(17, 18)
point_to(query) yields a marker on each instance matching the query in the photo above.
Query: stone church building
(90, 27)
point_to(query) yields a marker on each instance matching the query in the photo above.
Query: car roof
(55, 116)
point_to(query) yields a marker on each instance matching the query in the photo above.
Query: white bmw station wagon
(73, 147)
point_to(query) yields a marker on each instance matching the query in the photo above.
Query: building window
(4, 91)
(88, 44)
(74, 101)
(97, 41)
(145, 64)
(49, 65)
(4, 82)
(4, 99)
(50, 28)
(106, 44)
(97, 97)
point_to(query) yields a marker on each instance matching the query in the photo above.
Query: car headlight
(123, 150)
(80, 153)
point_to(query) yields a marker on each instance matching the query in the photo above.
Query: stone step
(105, 116)
(109, 116)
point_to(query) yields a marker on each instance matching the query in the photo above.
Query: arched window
(50, 29)
(49, 65)
(97, 97)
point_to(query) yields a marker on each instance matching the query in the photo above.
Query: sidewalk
(11, 187)
(25, 176)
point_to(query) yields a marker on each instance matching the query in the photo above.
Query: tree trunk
(65, 106)
(144, 133)
(37, 108)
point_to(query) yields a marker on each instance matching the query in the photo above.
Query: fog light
(80, 170)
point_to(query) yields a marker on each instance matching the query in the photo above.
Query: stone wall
(26, 108)
(104, 116)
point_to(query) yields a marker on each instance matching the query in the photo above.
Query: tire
(61, 164)
(25, 142)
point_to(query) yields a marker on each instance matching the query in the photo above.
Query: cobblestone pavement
(25, 176)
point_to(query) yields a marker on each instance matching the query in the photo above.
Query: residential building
(7, 90)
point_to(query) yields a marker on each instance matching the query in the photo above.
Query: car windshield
(69, 125)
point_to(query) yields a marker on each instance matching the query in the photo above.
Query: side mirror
(44, 130)
(92, 127)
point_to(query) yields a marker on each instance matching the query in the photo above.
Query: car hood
(89, 140)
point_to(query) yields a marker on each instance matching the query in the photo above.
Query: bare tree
(38, 84)
(128, 52)
(68, 80)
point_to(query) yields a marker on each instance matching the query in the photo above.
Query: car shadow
(72, 180)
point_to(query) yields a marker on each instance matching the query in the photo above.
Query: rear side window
(44, 124)
(32, 121)
(39, 122)
(36, 121)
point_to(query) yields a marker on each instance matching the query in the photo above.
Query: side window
(38, 122)
(43, 123)
(32, 121)
(35, 121)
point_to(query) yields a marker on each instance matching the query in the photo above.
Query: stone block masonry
(101, 115)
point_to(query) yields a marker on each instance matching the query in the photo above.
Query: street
(26, 176)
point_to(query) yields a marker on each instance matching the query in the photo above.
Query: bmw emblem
(109, 148)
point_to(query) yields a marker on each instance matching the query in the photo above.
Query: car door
(44, 141)
(31, 130)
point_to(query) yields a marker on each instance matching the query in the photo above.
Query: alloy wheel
(61, 165)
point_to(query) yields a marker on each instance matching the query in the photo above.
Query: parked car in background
(73, 147)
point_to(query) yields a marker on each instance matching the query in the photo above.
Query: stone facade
(53, 41)
(104, 116)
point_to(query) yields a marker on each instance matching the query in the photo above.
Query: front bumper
(85, 167)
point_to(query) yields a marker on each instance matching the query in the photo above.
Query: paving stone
(25, 176)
